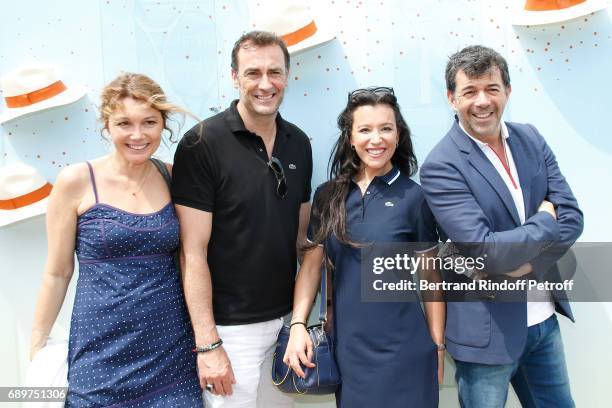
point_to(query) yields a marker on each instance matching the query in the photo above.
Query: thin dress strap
(93, 181)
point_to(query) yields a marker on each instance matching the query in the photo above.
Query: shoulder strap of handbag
(323, 305)
(161, 166)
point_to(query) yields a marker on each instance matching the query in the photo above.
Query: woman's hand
(299, 350)
(62, 214)
(38, 341)
(299, 347)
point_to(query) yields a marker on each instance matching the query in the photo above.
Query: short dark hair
(475, 61)
(259, 38)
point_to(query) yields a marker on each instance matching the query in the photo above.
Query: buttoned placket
(375, 187)
(260, 147)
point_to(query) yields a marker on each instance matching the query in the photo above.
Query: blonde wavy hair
(142, 88)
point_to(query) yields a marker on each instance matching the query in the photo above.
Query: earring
(352, 147)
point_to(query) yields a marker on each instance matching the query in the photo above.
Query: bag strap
(323, 305)
(161, 167)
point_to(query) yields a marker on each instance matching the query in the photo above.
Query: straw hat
(23, 193)
(34, 88)
(537, 12)
(292, 21)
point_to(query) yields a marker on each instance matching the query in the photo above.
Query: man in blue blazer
(497, 184)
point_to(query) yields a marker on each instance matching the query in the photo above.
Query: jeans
(250, 348)
(539, 377)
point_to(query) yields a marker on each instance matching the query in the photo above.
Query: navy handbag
(324, 378)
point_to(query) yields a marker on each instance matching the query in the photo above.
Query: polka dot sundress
(130, 336)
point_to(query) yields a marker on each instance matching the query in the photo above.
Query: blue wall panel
(560, 78)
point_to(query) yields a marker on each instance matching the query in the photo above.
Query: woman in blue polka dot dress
(130, 335)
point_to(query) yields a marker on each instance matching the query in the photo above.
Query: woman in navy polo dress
(385, 351)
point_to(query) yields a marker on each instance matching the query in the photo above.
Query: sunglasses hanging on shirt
(279, 174)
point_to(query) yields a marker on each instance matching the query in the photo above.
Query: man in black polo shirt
(241, 186)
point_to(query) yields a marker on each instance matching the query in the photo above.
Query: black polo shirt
(221, 167)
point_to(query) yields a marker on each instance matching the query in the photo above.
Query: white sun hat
(291, 20)
(34, 88)
(538, 12)
(24, 193)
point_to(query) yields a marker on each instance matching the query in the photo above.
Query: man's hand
(214, 368)
(549, 208)
(517, 273)
(521, 271)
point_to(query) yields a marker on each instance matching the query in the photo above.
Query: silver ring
(209, 387)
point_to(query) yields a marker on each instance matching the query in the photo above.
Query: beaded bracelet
(210, 347)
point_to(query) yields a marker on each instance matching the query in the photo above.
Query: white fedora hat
(537, 12)
(23, 193)
(34, 88)
(291, 20)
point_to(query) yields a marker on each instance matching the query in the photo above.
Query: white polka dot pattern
(130, 335)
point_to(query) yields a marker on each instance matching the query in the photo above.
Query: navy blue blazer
(472, 204)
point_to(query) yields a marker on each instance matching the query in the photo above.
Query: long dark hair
(344, 164)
